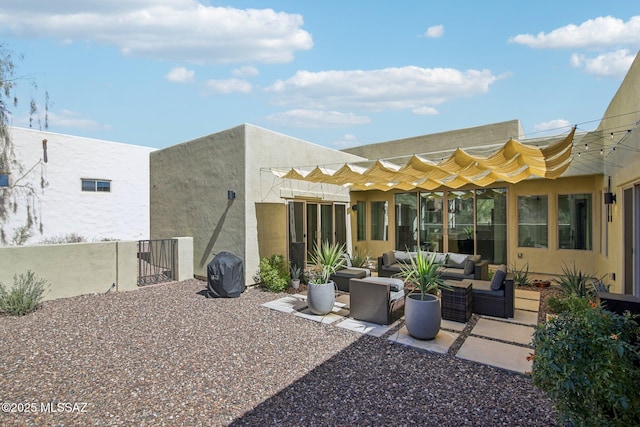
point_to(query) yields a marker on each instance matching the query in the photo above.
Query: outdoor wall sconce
(609, 198)
(231, 194)
(354, 207)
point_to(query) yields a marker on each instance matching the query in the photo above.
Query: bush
(67, 238)
(587, 359)
(24, 297)
(273, 273)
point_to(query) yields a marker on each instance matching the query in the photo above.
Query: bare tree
(20, 195)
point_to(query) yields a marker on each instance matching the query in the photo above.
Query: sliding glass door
(312, 223)
(462, 221)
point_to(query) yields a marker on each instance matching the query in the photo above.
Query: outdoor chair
(494, 297)
(373, 300)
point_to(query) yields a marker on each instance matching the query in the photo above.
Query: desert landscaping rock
(166, 355)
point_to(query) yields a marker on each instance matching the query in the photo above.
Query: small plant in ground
(573, 281)
(67, 238)
(521, 275)
(359, 260)
(27, 292)
(21, 235)
(273, 273)
(588, 361)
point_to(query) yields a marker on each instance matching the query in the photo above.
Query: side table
(457, 303)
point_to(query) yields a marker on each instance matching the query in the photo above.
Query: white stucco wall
(62, 207)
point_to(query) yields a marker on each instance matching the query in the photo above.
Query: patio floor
(503, 343)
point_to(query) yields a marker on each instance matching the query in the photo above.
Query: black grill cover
(225, 275)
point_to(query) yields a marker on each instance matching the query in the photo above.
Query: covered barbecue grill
(225, 276)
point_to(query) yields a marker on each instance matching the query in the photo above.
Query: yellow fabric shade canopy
(512, 163)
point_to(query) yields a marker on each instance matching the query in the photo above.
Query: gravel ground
(166, 355)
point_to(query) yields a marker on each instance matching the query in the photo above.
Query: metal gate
(156, 263)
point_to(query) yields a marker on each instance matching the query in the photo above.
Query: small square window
(4, 179)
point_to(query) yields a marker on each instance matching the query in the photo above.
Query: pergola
(511, 163)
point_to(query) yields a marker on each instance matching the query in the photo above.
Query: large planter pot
(422, 317)
(321, 297)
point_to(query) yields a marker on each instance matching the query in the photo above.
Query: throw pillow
(388, 258)
(457, 260)
(498, 278)
(469, 266)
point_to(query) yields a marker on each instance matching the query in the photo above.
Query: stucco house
(287, 196)
(59, 185)
(570, 199)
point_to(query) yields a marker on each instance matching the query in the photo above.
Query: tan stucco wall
(267, 149)
(552, 259)
(189, 184)
(543, 260)
(74, 269)
(497, 133)
(271, 220)
(623, 164)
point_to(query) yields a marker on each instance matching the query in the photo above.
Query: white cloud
(601, 32)
(557, 125)
(176, 30)
(73, 119)
(434, 32)
(180, 75)
(229, 86)
(345, 141)
(247, 71)
(317, 119)
(425, 111)
(611, 64)
(401, 88)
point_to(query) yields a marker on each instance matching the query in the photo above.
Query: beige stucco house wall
(190, 184)
(622, 164)
(587, 174)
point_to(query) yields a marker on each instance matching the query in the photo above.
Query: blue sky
(335, 73)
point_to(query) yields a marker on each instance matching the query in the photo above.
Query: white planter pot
(295, 284)
(422, 317)
(321, 297)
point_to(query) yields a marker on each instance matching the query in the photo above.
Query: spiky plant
(329, 258)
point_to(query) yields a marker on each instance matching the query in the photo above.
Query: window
(96, 185)
(4, 179)
(533, 221)
(574, 221)
(361, 209)
(379, 221)
(406, 209)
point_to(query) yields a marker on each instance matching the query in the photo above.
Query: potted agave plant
(320, 288)
(422, 312)
(296, 273)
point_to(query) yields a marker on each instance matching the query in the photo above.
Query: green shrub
(24, 297)
(587, 359)
(273, 273)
